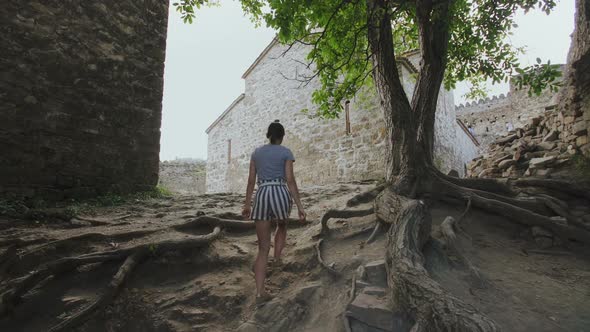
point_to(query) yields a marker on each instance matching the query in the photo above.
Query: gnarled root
(376, 230)
(228, 224)
(110, 293)
(11, 297)
(318, 248)
(426, 302)
(448, 227)
(564, 187)
(333, 213)
(365, 197)
(512, 209)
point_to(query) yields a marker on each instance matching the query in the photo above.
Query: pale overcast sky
(205, 62)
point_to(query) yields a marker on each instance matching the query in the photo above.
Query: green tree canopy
(478, 47)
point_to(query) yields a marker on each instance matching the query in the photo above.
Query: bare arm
(249, 190)
(292, 184)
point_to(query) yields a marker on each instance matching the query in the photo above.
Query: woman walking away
(272, 164)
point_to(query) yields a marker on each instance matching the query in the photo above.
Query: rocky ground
(502, 271)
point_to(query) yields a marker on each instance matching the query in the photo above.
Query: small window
(347, 116)
(229, 151)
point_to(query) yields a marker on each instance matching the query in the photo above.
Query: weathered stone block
(552, 136)
(506, 163)
(546, 146)
(373, 311)
(376, 273)
(541, 162)
(581, 140)
(579, 128)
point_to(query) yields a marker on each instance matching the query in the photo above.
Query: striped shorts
(272, 201)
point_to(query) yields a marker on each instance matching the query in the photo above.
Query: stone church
(326, 151)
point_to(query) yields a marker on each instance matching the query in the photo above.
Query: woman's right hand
(302, 215)
(246, 212)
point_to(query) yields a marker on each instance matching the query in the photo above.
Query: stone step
(370, 312)
(375, 273)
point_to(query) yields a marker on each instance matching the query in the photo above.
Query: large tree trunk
(409, 168)
(575, 96)
(405, 158)
(433, 27)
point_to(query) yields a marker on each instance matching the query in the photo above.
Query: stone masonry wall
(488, 117)
(80, 96)
(324, 152)
(183, 177)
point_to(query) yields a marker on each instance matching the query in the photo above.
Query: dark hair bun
(275, 132)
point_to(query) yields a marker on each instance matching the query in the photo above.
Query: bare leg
(280, 238)
(263, 233)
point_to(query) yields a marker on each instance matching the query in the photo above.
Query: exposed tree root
(333, 213)
(355, 233)
(547, 252)
(351, 295)
(561, 209)
(569, 188)
(448, 227)
(487, 185)
(112, 290)
(133, 255)
(431, 307)
(512, 210)
(86, 237)
(7, 258)
(21, 243)
(374, 233)
(427, 303)
(346, 323)
(92, 222)
(365, 197)
(229, 224)
(11, 297)
(318, 249)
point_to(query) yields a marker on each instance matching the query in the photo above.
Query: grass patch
(36, 208)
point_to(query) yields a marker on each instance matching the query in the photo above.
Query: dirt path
(212, 288)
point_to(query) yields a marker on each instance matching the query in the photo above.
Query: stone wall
(183, 176)
(575, 95)
(324, 152)
(489, 117)
(80, 92)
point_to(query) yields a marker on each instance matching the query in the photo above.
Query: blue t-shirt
(270, 161)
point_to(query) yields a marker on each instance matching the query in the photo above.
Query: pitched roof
(401, 59)
(261, 56)
(227, 110)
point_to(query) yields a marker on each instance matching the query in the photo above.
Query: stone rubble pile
(545, 145)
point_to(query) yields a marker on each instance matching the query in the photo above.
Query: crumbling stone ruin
(491, 118)
(81, 93)
(183, 176)
(542, 148)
